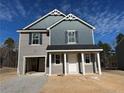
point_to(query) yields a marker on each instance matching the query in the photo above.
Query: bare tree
(3, 55)
(8, 53)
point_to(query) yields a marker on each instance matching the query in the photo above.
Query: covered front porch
(73, 61)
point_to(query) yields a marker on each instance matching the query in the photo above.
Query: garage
(35, 65)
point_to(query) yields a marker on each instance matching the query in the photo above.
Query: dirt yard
(108, 82)
(7, 73)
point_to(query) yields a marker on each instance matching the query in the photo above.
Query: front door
(72, 63)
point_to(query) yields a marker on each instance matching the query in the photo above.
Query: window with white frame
(35, 38)
(87, 58)
(71, 37)
(56, 58)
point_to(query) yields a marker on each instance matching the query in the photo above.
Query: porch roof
(73, 48)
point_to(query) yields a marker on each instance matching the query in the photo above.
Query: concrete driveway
(23, 84)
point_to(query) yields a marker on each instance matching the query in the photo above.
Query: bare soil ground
(11, 83)
(7, 73)
(108, 82)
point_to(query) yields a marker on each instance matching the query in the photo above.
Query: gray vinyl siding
(58, 33)
(46, 22)
(88, 68)
(57, 69)
(31, 50)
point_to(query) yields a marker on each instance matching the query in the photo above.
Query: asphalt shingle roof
(71, 47)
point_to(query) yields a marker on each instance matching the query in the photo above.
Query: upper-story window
(71, 37)
(35, 38)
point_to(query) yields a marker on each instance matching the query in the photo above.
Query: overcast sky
(106, 15)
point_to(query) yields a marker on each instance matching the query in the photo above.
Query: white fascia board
(35, 56)
(57, 11)
(87, 23)
(93, 36)
(83, 21)
(42, 18)
(80, 50)
(31, 30)
(19, 49)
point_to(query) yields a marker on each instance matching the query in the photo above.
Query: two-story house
(58, 44)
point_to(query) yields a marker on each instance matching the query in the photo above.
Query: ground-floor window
(89, 58)
(56, 58)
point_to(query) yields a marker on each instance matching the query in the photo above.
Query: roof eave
(33, 30)
(76, 50)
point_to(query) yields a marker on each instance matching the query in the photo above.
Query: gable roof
(54, 12)
(71, 17)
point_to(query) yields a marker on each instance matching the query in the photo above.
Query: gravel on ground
(23, 84)
(7, 73)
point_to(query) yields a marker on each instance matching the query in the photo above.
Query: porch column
(65, 70)
(95, 63)
(83, 64)
(50, 64)
(99, 66)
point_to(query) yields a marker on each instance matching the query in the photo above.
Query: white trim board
(36, 30)
(50, 13)
(35, 56)
(80, 50)
(68, 36)
(18, 72)
(93, 37)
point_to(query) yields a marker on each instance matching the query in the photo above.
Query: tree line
(108, 55)
(8, 53)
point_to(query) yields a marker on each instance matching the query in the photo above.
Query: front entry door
(72, 63)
